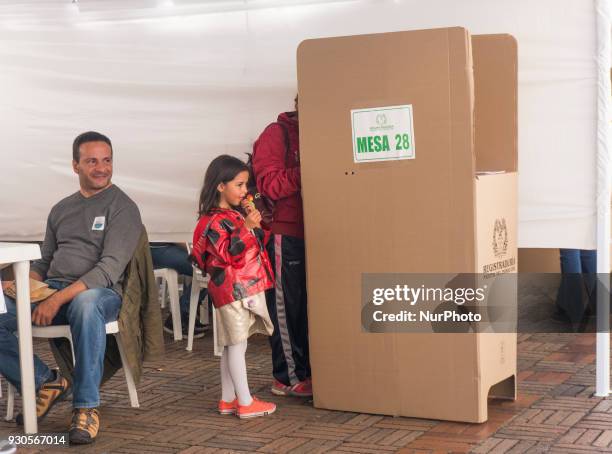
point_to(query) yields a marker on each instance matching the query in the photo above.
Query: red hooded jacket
(278, 181)
(233, 255)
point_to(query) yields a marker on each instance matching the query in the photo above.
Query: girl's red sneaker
(257, 408)
(228, 408)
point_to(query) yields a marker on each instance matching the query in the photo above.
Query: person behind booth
(90, 238)
(276, 166)
(230, 248)
(578, 275)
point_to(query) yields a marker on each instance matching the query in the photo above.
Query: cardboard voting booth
(409, 158)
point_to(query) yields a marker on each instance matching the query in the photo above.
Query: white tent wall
(175, 83)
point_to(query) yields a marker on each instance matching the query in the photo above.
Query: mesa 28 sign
(383, 133)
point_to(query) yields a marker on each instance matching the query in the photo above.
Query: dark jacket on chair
(139, 321)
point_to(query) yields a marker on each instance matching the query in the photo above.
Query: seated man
(90, 238)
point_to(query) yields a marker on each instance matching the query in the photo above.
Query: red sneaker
(228, 408)
(257, 408)
(300, 389)
(280, 389)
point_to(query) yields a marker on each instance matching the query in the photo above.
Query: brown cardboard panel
(495, 107)
(439, 376)
(462, 225)
(344, 357)
(385, 194)
(539, 260)
(497, 221)
(498, 353)
(497, 252)
(339, 74)
(467, 362)
(496, 148)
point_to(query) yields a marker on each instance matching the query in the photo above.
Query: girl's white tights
(234, 375)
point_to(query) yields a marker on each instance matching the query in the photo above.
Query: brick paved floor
(554, 413)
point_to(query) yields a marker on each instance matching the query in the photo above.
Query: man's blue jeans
(578, 272)
(169, 255)
(87, 315)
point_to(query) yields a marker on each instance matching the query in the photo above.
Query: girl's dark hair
(222, 169)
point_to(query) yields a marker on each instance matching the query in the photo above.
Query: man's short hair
(89, 136)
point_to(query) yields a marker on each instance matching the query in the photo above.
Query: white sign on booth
(383, 133)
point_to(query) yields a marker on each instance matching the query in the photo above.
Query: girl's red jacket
(233, 256)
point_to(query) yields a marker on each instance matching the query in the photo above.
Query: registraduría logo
(500, 238)
(382, 123)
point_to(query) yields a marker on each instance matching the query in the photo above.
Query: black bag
(262, 203)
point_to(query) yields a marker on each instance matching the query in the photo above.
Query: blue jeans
(168, 255)
(87, 315)
(578, 272)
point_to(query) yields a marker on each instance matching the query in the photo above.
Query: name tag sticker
(98, 223)
(2, 303)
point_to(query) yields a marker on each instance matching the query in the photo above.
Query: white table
(20, 254)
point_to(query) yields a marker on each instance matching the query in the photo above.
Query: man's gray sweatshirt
(90, 239)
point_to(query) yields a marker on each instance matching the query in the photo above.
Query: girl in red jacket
(230, 248)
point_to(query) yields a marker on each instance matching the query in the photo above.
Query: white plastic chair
(10, 399)
(199, 282)
(169, 282)
(52, 332)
